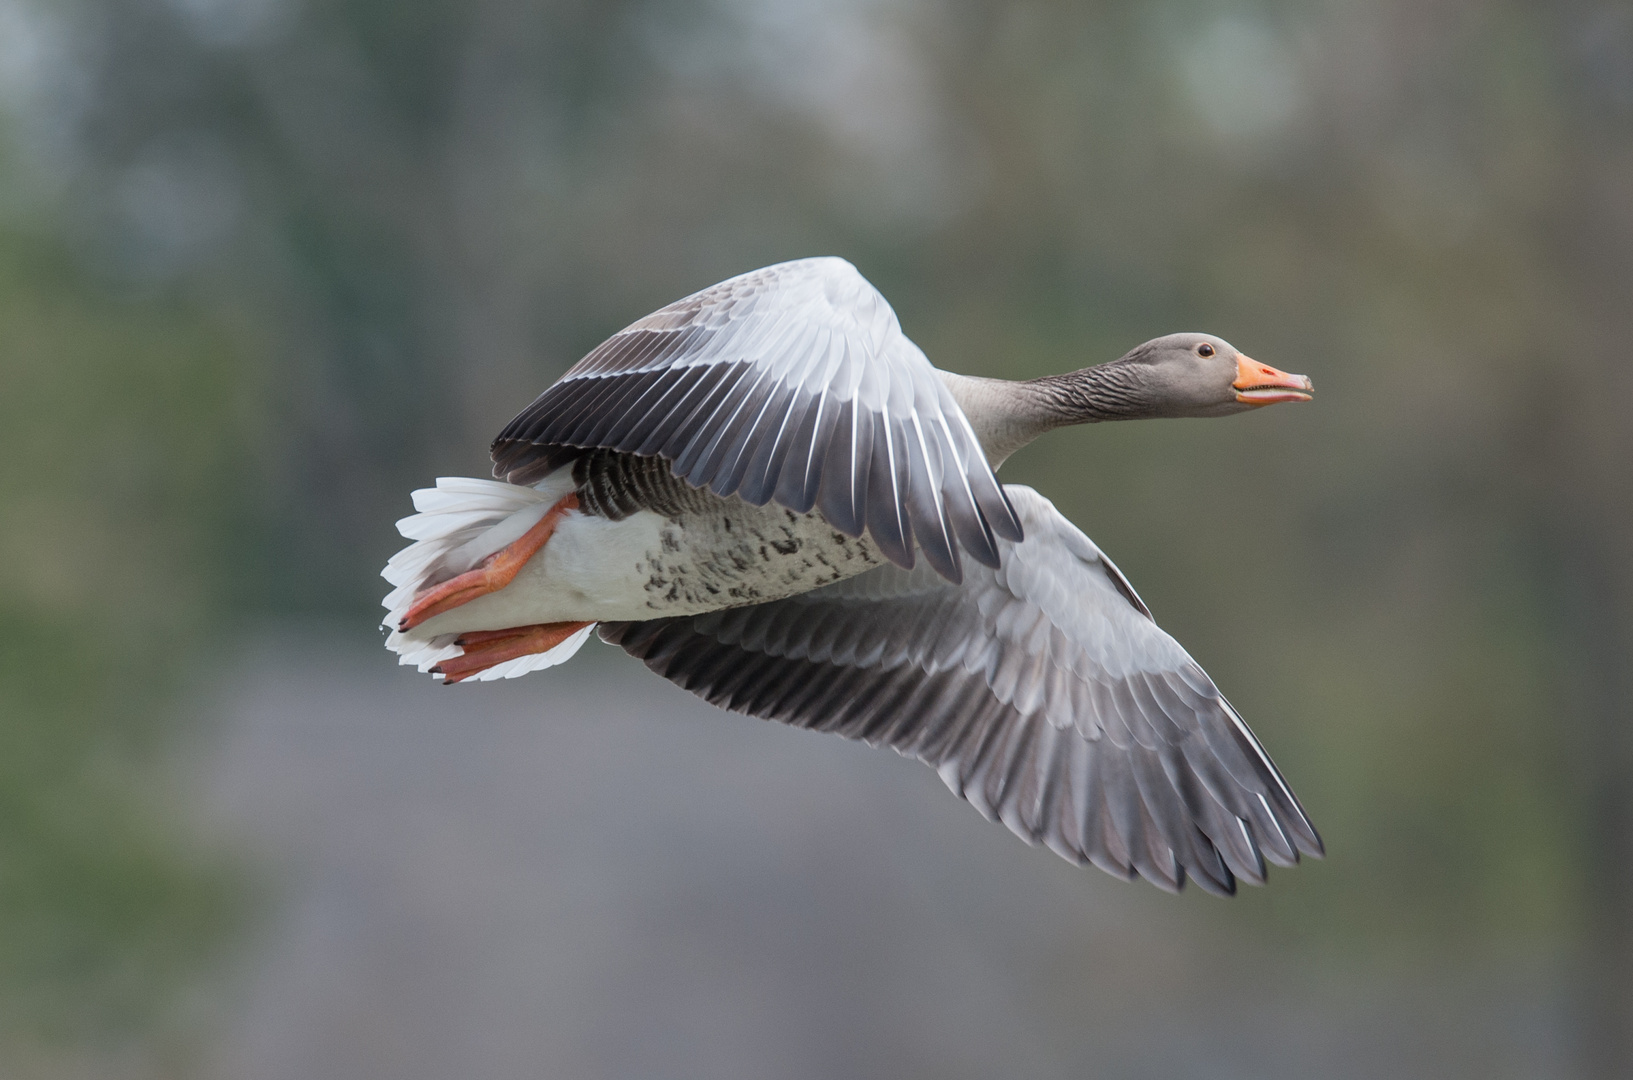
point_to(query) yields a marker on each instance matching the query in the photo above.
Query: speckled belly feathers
(734, 554)
(714, 552)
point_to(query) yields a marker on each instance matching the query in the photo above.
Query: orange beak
(1261, 384)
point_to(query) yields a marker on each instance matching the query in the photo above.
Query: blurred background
(267, 265)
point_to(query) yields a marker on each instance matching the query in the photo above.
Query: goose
(767, 494)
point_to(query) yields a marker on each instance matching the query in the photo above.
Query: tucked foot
(494, 573)
(485, 648)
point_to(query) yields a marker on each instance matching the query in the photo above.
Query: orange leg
(495, 572)
(485, 648)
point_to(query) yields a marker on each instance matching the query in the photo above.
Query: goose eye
(1204, 349)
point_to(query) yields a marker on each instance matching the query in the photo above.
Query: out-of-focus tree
(120, 444)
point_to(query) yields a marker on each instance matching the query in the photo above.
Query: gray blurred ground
(589, 873)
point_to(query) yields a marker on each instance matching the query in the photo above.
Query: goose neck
(1007, 415)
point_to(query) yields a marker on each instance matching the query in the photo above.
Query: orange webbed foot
(485, 648)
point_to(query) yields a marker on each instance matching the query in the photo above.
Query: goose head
(1201, 375)
(1174, 376)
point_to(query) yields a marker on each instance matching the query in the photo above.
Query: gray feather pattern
(791, 383)
(1040, 691)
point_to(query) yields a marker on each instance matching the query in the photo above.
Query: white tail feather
(460, 522)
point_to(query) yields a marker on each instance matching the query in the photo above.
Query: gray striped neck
(1007, 415)
(1114, 391)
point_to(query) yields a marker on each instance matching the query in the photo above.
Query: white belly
(647, 566)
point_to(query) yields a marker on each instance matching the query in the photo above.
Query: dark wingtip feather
(893, 543)
(1315, 849)
(986, 553)
(1007, 523)
(1224, 885)
(943, 560)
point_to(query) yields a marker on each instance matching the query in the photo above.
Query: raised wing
(1041, 691)
(792, 383)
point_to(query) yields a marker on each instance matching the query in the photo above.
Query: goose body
(689, 553)
(766, 493)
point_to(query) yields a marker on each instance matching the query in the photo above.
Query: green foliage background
(122, 437)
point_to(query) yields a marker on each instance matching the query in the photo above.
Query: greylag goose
(767, 494)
